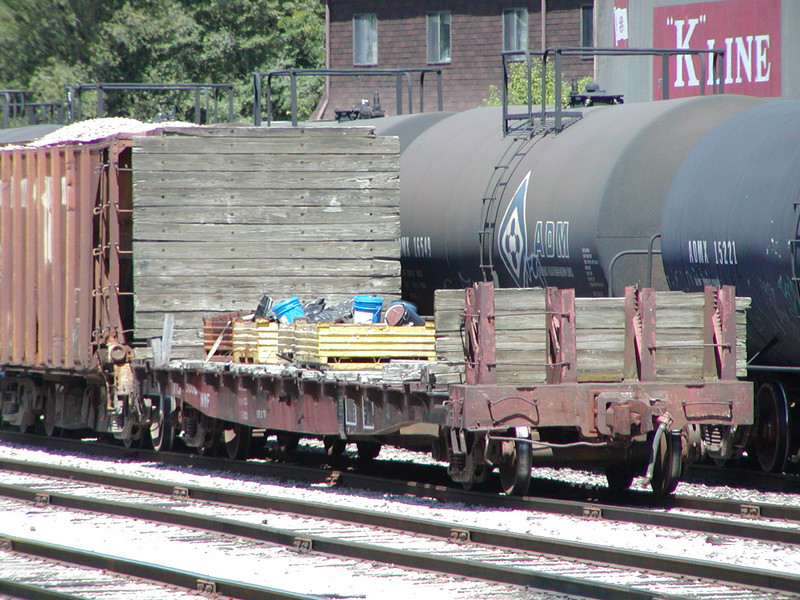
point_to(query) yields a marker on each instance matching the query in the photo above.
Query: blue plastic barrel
(367, 309)
(288, 310)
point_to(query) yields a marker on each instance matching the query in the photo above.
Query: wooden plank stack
(521, 330)
(519, 322)
(361, 346)
(256, 341)
(225, 214)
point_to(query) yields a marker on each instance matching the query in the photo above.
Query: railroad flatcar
(676, 194)
(568, 209)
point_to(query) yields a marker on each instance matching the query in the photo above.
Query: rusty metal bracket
(719, 333)
(480, 327)
(562, 346)
(640, 334)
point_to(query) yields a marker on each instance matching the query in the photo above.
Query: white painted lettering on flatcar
(205, 400)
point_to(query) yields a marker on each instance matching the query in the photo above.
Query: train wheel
(620, 476)
(515, 467)
(668, 464)
(162, 430)
(334, 446)
(237, 440)
(479, 481)
(368, 450)
(288, 442)
(772, 427)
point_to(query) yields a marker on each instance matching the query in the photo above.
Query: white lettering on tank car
(722, 251)
(416, 247)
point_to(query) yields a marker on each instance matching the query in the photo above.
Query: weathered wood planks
(223, 215)
(521, 330)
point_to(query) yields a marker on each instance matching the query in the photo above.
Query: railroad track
(57, 572)
(542, 563)
(752, 519)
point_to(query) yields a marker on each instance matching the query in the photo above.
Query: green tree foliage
(48, 44)
(518, 85)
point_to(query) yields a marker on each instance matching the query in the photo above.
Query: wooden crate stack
(225, 214)
(257, 341)
(361, 346)
(600, 335)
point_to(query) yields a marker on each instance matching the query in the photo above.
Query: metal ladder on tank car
(495, 188)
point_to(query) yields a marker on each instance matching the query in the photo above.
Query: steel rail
(753, 529)
(571, 550)
(356, 550)
(131, 568)
(594, 502)
(25, 591)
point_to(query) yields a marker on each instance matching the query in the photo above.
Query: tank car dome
(564, 204)
(731, 217)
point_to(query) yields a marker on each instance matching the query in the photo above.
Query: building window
(438, 37)
(515, 29)
(587, 26)
(365, 40)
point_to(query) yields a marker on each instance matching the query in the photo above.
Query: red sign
(620, 23)
(749, 31)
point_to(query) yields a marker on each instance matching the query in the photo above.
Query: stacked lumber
(679, 336)
(256, 341)
(361, 346)
(223, 215)
(521, 330)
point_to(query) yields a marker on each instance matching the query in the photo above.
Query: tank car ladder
(495, 188)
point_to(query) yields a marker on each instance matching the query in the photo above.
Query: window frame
(362, 44)
(583, 10)
(433, 22)
(515, 20)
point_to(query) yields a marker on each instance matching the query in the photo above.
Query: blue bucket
(367, 309)
(288, 310)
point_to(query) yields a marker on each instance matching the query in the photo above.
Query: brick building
(463, 37)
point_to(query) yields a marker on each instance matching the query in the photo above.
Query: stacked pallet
(521, 335)
(223, 215)
(361, 346)
(256, 341)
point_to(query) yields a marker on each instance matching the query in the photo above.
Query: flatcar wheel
(237, 439)
(772, 427)
(334, 446)
(619, 476)
(515, 467)
(162, 431)
(668, 465)
(368, 450)
(479, 481)
(288, 442)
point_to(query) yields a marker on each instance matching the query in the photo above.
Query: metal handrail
(718, 69)
(74, 94)
(398, 74)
